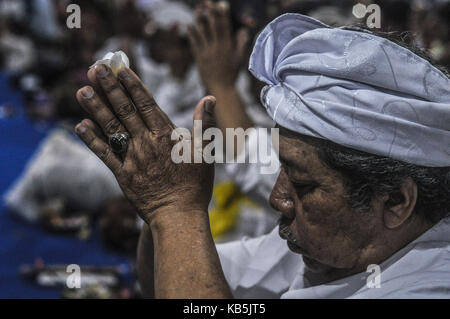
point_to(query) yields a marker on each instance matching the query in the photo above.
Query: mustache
(284, 229)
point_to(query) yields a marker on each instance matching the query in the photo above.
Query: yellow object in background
(228, 201)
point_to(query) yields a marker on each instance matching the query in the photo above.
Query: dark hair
(367, 175)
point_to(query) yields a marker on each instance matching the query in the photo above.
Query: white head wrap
(166, 14)
(355, 89)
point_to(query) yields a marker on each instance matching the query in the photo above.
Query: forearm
(145, 263)
(230, 112)
(230, 109)
(186, 263)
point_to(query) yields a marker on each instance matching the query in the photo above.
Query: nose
(281, 198)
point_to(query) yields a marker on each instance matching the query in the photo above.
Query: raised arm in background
(219, 56)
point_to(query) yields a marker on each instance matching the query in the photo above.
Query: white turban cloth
(167, 14)
(355, 89)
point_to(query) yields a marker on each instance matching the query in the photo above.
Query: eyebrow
(291, 162)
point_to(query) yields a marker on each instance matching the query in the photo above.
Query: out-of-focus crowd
(50, 60)
(180, 60)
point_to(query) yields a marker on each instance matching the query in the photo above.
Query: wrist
(220, 88)
(170, 219)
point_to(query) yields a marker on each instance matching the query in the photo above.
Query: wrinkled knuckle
(112, 126)
(105, 154)
(147, 106)
(125, 110)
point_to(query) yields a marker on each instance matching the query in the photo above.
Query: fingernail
(101, 70)
(87, 92)
(123, 74)
(80, 129)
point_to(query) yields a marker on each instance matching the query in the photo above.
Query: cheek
(324, 226)
(321, 209)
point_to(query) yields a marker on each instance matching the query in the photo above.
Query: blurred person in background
(61, 170)
(429, 22)
(153, 35)
(17, 49)
(169, 45)
(60, 54)
(220, 43)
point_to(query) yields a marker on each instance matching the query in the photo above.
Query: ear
(394, 216)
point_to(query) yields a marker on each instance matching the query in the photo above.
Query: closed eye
(302, 188)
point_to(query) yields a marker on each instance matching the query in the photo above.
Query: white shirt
(264, 267)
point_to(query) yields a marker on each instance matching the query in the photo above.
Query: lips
(282, 235)
(283, 232)
(286, 234)
(294, 248)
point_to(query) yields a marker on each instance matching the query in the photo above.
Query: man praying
(363, 191)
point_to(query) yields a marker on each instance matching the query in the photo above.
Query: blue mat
(20, 242)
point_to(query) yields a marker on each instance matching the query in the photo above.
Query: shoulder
(422, 273)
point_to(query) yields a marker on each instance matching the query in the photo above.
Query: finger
(97, 88)
(152, 115)
(95, 128)
(211, 26)
(223, 20)
(201, 30)
(92, 78)
(122, 105)
(92, 104)
(98, 146)
(194, 39)
(242, 37)
(204, 111)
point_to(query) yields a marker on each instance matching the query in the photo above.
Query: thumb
(204, 111)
